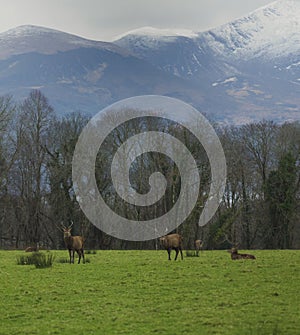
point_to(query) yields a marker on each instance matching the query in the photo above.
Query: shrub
(24, 260)
(39, 259)
(191, 253)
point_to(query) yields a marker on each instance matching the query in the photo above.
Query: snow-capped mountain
(254, 60)
(271, 32)
(242, 71)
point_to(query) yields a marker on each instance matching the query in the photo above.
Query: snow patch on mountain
(226, 81)
(152, 32)
(270, 31)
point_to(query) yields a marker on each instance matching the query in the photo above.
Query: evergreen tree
(281, 197)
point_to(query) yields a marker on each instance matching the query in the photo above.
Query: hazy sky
(105, 19)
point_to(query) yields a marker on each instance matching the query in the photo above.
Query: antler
(62, 227)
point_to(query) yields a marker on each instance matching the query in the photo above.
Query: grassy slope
(140, 292)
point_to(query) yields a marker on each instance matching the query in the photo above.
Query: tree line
(259, 209)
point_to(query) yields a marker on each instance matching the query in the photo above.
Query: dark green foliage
(281, 192)
(218, 230)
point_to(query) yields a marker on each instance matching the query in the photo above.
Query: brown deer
(32, 248)
(173, 241)
(73, 243)
(198, 246)
(235, 255)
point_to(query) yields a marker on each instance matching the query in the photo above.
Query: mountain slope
(271, 32)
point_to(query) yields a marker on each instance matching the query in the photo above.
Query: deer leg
(73, 253)
(70, 255)
(177, 251)
(79, 255)
(169, 253)
(82, 252)
(181, 253)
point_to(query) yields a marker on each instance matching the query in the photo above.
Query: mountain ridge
(30, 38)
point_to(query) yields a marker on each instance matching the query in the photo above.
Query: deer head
(67, 230)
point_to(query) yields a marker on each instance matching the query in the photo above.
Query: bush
(24, 260)
(39, 259)
(191, 253)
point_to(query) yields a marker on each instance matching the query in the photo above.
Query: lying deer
(73, 243)
(235, 255)
(32, 248)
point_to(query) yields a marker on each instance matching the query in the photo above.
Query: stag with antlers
(235, 254)
(73, 243)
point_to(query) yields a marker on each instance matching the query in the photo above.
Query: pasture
(141, 292)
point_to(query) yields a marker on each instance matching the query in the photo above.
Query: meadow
(141, 292)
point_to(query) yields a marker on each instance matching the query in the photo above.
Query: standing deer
(73, 243)
(198, 246)
(173, 241)
(235, 255)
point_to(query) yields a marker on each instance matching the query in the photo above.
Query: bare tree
(35, 119)
(259, 141)
(7, 157)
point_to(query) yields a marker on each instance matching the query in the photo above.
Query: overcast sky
(106, 19)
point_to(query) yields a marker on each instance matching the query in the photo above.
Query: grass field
(141, 292)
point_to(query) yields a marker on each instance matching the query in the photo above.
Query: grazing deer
(235, 255)
(173, 241)
(198, 246)
(33, 249)
(73, 243)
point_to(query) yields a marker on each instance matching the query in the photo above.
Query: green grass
(141, 292)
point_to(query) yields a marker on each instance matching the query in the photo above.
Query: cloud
(102, 19)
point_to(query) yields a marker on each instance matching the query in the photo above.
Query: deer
(235, 255)
(33, 248)
(73, 243)
(198, 246)
(172, 241)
